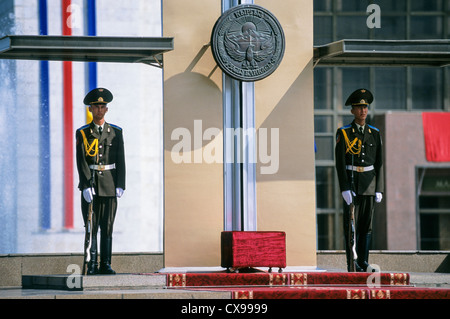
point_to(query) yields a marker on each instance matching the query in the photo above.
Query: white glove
(348, 196)
(378, 197)
(119, 192)
(88, 194)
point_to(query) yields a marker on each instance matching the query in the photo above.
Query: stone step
(97, 282)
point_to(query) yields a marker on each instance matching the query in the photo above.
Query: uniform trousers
(104, 213)
(364, 207)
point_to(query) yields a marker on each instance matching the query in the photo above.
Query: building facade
(400, 91)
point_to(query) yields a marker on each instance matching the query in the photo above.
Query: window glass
(323, 88)
(392, 28)
(426, 27)
(324, 147)
(426, 5)
(322, 5)
(390, 89)
(325, 187)
(448, 25)
(352, 27)
(426, 91)
(325, 231)
(322, 30)
(429, 229)
(434, 231)
(352, 5)
(389, 5)
(323, 124)
(435, 182)
(434, 208)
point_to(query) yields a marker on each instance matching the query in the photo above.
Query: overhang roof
(148, 50)
(383, 53)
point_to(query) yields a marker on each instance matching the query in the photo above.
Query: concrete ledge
(99, 282)
(399, 261)
(14, 266)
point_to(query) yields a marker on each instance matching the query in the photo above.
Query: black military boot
(105, 257)
(92, 268)
(363, 246)
(92, 265)
(356, 266)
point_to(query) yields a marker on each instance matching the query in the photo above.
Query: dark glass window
(427, 88)
(434, 208)
(391, 83)
(352, 27)
(323, 84)
(325, 184)
(393, 27)
(426, 27)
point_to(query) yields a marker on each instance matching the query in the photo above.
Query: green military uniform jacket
(367, 182)
(110, 151)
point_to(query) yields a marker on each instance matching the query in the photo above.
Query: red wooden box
(242, 249)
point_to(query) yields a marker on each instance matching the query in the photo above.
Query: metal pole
(239, 149)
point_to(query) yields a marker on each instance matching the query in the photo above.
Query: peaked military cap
(360, 97)
(98, 96)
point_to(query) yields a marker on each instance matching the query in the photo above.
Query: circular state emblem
(248, 42)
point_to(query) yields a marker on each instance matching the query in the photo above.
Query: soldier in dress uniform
(359, 166)
(100, 156)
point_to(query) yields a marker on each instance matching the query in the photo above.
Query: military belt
(359, 169)
(103, 167)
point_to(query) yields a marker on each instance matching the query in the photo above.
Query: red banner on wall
(436, 130)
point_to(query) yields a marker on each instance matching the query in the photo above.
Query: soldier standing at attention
(100, 155)
(359, 166)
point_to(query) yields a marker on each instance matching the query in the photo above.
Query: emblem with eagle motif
(248, 42)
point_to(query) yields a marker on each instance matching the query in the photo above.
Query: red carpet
(341, 293)
(283, 279)
(307, 285)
